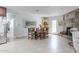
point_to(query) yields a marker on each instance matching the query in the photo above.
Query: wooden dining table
(37, 33)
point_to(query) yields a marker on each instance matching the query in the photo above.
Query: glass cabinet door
(3, 30)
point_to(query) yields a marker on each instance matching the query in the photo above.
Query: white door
(54, 26)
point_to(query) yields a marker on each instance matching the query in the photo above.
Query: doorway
(10, 25)
(54, 26)
(10, 33)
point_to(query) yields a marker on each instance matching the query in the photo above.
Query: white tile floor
(54, 44)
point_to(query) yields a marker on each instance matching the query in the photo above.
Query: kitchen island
(75, 38)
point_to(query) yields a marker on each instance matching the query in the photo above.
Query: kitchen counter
(75, 38)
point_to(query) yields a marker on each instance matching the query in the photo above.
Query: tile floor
(53, 44)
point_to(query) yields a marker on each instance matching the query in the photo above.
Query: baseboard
(21, 37)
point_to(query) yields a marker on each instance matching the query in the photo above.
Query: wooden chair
(29, 33)
(33, 33)
(43, 33)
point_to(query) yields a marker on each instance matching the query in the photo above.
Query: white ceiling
(43, 10)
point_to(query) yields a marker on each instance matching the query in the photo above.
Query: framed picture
(29, 23)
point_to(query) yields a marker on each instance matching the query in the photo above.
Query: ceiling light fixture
(37, 10)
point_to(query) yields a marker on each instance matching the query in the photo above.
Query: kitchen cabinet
(70, 15)
(75, 37)
(77, 14)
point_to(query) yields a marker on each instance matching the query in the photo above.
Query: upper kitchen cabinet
(70, 15)
(66, 16)
(77, 13)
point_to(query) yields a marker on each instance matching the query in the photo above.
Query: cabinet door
(76, 46)
(77, 14)
(66, 17)
(71, 15)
